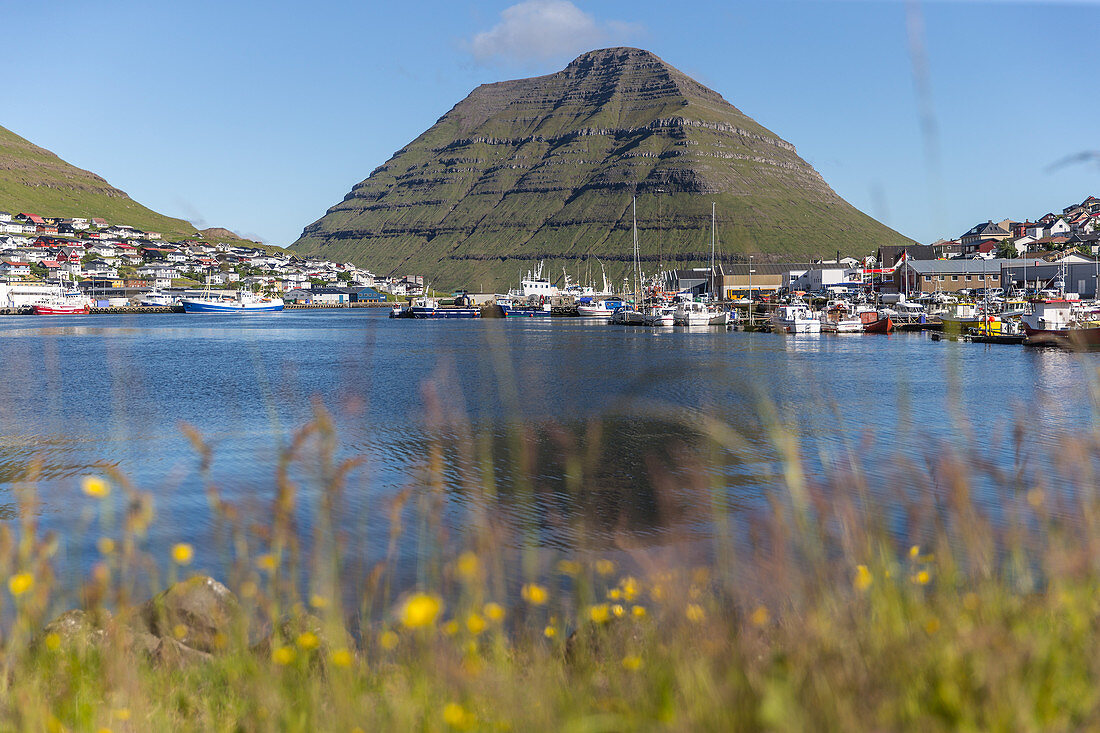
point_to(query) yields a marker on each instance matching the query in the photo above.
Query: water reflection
(572, 434)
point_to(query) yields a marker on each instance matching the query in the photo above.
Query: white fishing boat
(840, 317)
(660, 315)
(534, 285)
(599, 307)
(795, 318)
(694, 313)
(157, 297)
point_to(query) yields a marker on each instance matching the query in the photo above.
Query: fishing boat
(958, 318)
(536, 306)
(1059, 322)
(425, 307)
(876, 322)
(64, 303)
(244, 302)
(691, 313)
(795, 318)
(598, 307)
(157, 297)
(838, 317)
(660, 315)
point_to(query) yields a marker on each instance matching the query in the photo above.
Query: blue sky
(259, 116)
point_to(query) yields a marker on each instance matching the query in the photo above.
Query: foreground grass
(824, 620)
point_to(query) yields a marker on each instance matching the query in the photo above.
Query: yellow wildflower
(450, 628)
(614, 594)
(267, 562)
(457, 716)
(638, 611)
(618, 610)
(695, 612)
(282, 655)
(179, 631)
(318, 601)
(605, 567)
(760, 616)
(105, 545)
(468, 566)
(475, 624)
(632, 662)
(388, 640)
(182, 553)
(922, 578)
(95, 486)
(534, 594)
(599, 614)
(863, 578)
(631, 588)
(549, 632)
(341, 658)
(494, 612)
(20, 583)
(420, 610)
(914, 551)
(307, 641)
(53, 641)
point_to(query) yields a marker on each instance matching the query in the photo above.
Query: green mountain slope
(547, 167)
(35, 180)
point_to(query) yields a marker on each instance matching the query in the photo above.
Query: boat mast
(713, 274)
(637, 264)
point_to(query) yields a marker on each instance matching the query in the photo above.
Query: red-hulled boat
(872, 323)
(1053, 322)
(62, 304)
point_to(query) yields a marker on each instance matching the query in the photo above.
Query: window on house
(954, 277)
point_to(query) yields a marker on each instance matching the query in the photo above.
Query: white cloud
(544, 30)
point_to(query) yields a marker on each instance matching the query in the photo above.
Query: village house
(984, 231)
(11, 269)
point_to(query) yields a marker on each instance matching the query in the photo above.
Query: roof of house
(958, 266)
(986, 228)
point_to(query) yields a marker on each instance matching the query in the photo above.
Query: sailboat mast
(637, 265)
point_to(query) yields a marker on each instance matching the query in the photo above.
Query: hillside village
(93, 253)
(1023, 255)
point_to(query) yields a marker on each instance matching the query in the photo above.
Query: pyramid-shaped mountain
(546, 168)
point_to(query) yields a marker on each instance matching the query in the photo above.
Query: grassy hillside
(35, 180)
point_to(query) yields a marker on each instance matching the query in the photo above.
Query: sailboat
(629, 315)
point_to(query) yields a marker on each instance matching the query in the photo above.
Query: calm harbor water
(585, 432)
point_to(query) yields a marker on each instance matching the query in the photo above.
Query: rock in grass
(200, 613)
(75, 629)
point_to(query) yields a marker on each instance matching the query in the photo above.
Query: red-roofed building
(30, 219)
(99, 223)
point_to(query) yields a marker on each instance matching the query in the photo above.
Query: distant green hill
(34, 180)
(546, 168)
